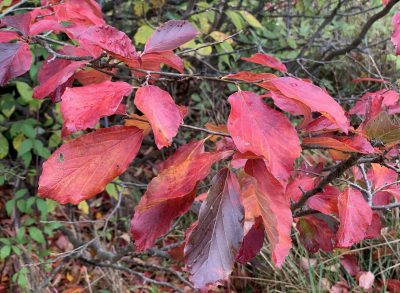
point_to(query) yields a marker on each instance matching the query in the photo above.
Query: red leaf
(355, 217)
(251, 76)
(170, 36)
(91, 76)
(156, 219)
(15, 60)
(297, 184)
(393, 286)
(374, 230)
(321, 125)
(389, 98)
(340, 287)
(252, 244)
(21, 22)
(81, 12)
(396, 32)
(108, 38)
(350, 264)
(152, 61)
(325, 202)
(6, 36)
(315, 234)
(55, 73)
(213, 243)
(162, 112)
(353, 144)
(274, 208)
(266, 60)
(382, 175)
(27, 25)
(82, 107)
(173, 185)
(307, 98)
(82, 168)
(257, 128)
(382, 179)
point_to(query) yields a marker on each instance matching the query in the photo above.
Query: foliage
(286, 153)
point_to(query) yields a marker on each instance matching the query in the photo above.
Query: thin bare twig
(130, 271)
(209, 44)
(368, 191)
(357, 41)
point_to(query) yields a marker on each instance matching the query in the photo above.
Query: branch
(386, 207)
(360, 36)
(61, 56)
(368, 192)
(337, 171)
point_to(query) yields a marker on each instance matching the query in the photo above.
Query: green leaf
(21, 204)
(28, 130)
(112, 190)
(25, 147)
(17, 141)
(10, 206)
(4, 148)
(21, 235)
(7, 105)
(16, 250)
(143, 34)
(236, 19)
(5, 251)
(251, 19)
(22, 282)
(55, 140)
(20, 193)
(42, 206)
(27, 158)
(28, 221)
(5, 241)
(25, 91)
(36, 235)
(40, 150)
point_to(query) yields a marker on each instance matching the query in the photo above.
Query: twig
(205, 130)
(357, 41)
(209, 44)
(130, 271)
(386, 185)
(12, 8)
(387, 207)
(160, 268)
(61, 56)
(53, 273)
(368, 192)
(337, 171)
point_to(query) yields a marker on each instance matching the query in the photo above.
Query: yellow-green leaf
(84, 207)
(251, 19)
(3, 146)
(236, 19)
(143, 34)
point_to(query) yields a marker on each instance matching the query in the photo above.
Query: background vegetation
(45, 246)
